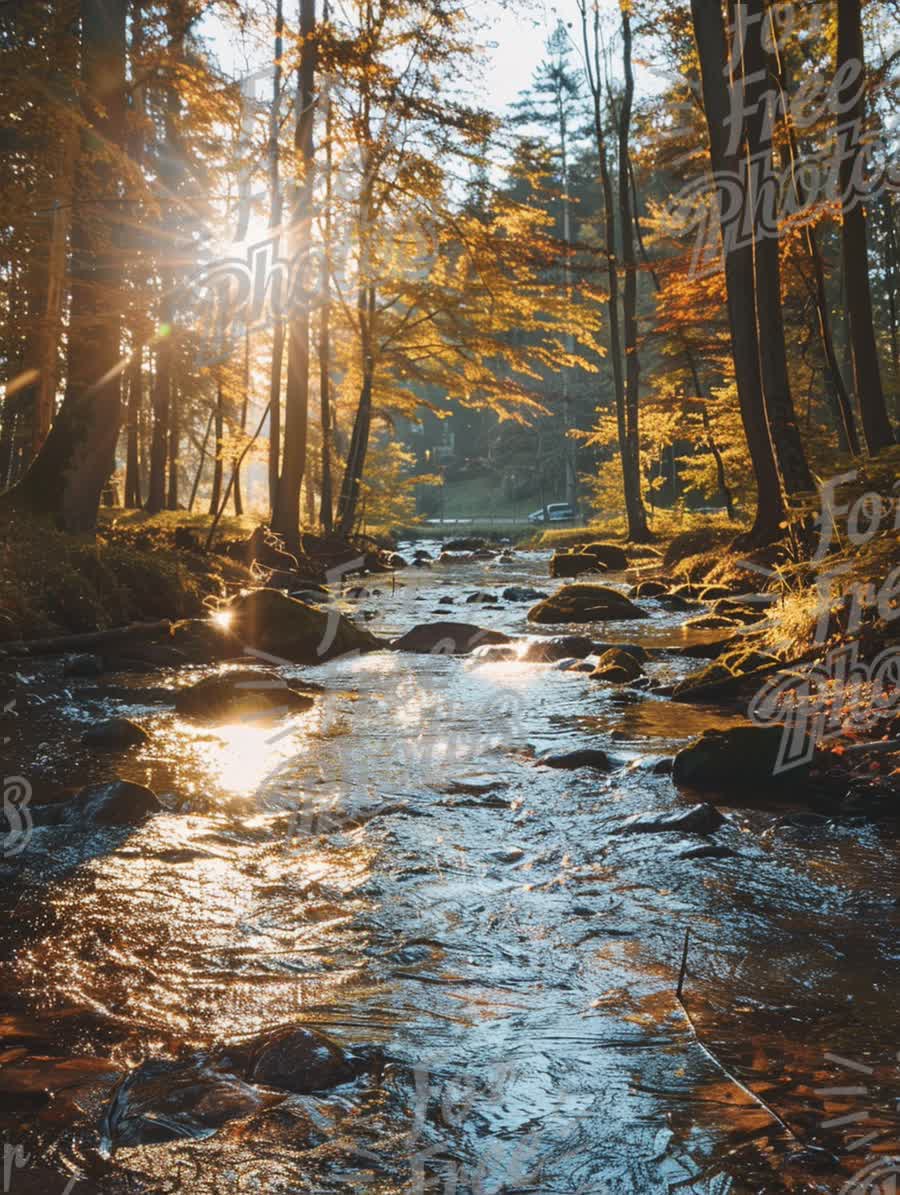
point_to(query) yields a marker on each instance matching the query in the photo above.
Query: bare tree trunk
(174, 443)
(245, 400)
(326, 507)
(854, 239)
(631, 462)
(887, 201)
(275, 222)
(763, 200)
(216, 496)
(202, 460)
(132, 463)
(162, 386)
(286, 516)
(709, 32)
(359, 441)
(630, 483)
(67, 476)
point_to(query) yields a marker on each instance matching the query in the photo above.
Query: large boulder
(617, 667)
(561, 647)
(571, 564)
(447, 638)
(120, 803)
(611, 556)
(241, 692)
(585, 603)
(272, 622)
(740, 757)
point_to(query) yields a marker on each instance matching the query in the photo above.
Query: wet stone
(697, 819)
(114, 733)
(585, 757)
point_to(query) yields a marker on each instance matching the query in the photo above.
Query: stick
(49, 647)
(757, 1099)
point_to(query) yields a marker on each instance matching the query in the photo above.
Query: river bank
(392, 866)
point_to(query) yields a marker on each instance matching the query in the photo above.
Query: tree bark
(709, 33)
(132, 463)
(168, 173)
(216, 496)
(174, 422)
(351, 484)
(286, 516)
(326, 505)
(877, 428)
(68, 475)
(275, 222)
(638, 530)
(763, 200)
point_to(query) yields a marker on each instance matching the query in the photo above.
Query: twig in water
(757, 1099)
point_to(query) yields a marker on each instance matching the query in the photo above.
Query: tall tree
(66, 478)
(727, 163)
(629, 451)
(638, 529)
(169, 173)
(286, 516)
(554, 103)
(275, 207)
(752, 86)
(854, 236)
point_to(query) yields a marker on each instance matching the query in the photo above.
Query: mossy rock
(611, 556)
(730, 680)
(270, 621)
(572, 564)
(739, 758)
(649, 589)
(585, 603)
(617, 667)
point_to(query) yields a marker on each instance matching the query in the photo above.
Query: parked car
(557, 512)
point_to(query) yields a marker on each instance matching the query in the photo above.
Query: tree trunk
(202, 461)
(887, 201)
(275, 222)
(216, 496)
(168, 172)
(854, 239)
(245, 400)
(840, 398)
(359, 441)
(638, 530)
(286, 516)
(48, 264)
(174, 441)
(68, 475)
(709, 32)
(763, 200)
(132, 463)
(326, 506)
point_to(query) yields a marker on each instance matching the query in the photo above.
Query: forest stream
(393, 868)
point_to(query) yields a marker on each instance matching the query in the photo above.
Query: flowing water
(393, 868)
